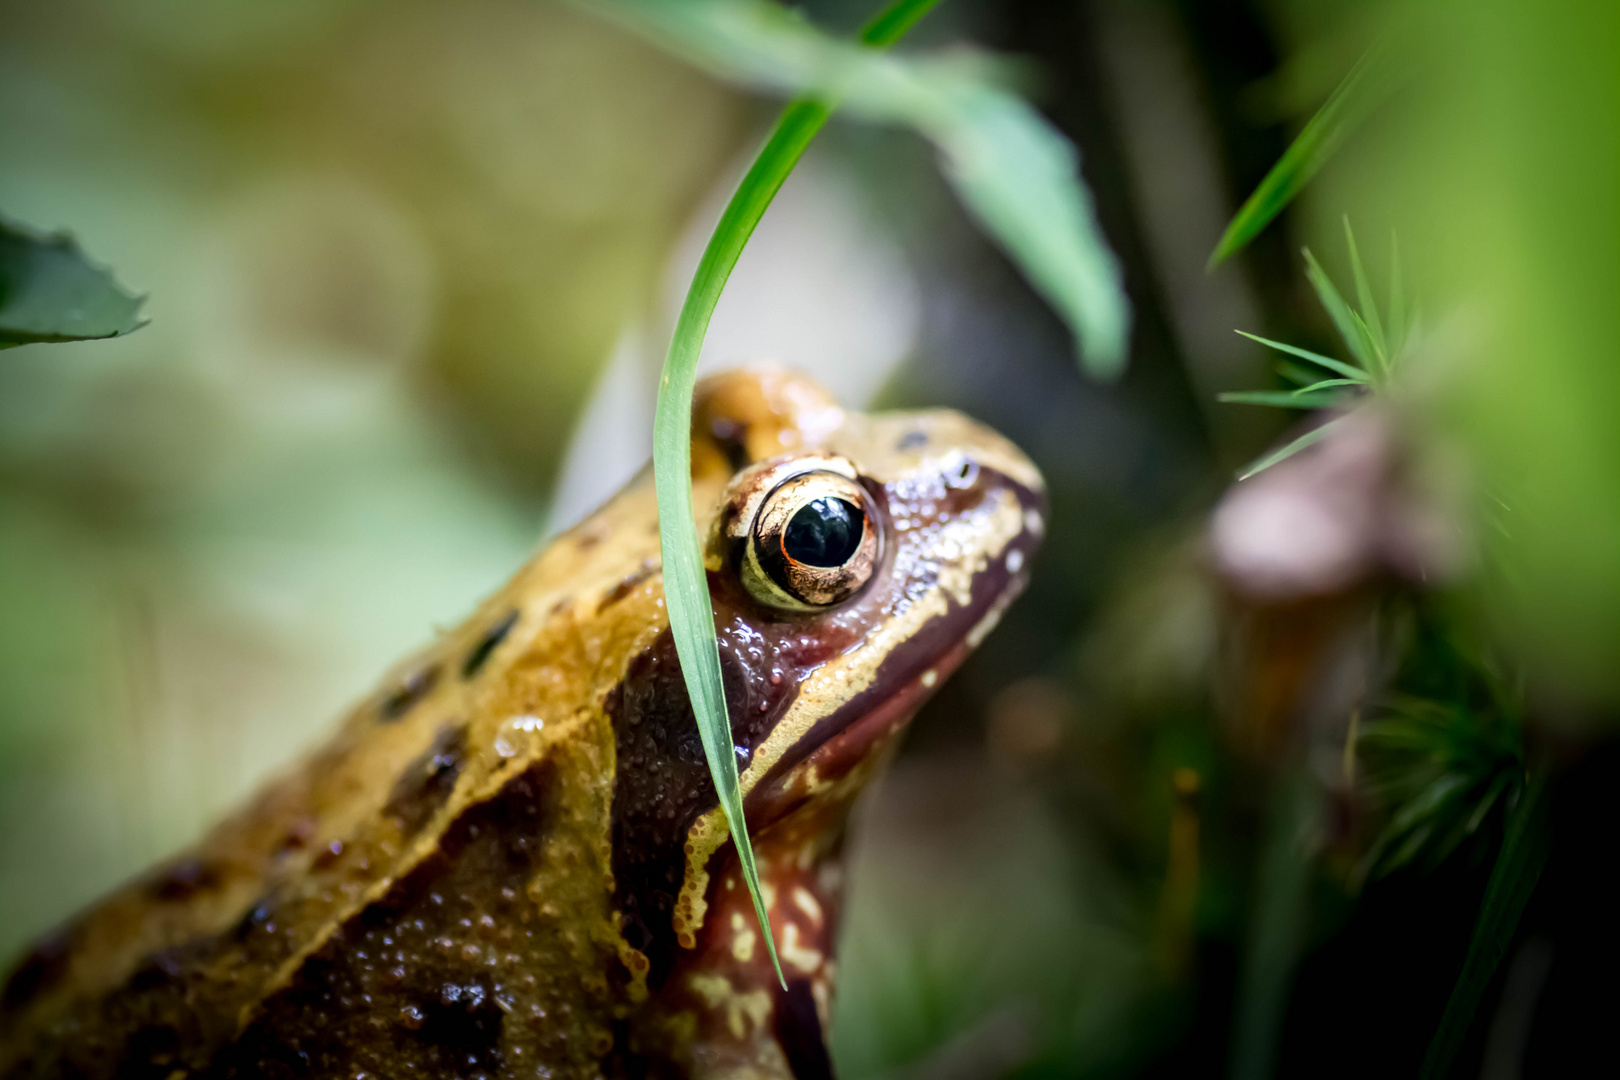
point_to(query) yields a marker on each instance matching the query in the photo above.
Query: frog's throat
(722, 1012)
(984, 535)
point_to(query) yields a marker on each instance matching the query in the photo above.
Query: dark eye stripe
(487, 644)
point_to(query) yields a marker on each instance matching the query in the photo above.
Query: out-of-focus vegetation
(1227, 792)
(49, 292)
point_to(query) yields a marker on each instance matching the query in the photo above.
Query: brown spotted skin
(509, 861)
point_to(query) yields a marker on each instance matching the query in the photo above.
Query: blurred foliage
(50, 292)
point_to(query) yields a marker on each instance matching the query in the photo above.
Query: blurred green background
(411, 266)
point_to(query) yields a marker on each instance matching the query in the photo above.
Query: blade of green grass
(1349, 371)
(1355, 333)
(1310, 438)
(1294, 373)
(686, 590)
(1345, 108)
(1364, 297)
(1513, 879)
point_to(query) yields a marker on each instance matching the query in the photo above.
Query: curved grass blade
(49, 292)
(1349, 371)
(1513, 879)
(1310, 438)
(1344, 109)
(686, 589)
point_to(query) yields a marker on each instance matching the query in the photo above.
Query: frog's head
(854, 561)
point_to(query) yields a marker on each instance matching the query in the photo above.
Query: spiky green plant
(1377, 342)
(1439, 770)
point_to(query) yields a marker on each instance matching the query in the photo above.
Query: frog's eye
(812, 542)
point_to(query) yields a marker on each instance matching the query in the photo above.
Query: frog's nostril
(964, 475)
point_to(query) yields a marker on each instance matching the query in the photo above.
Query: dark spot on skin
(464, 1019)
(328, 856)
(257, 918)
(798, 1033)
(38, 971)
(647, 569)
(588, 540)
(418, 686)
(299, 835)
(428, 781)
(487, 645)
(183, 880)
(561, 606)
(912, 440)
(732, 439)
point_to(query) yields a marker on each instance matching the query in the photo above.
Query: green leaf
(1513, 880)
(1013, 171)
(1355, 333)
(1020, 178)
(1281, 399)
(1349, 371)
(49, 291)
(1296, 374)
(686, 588)
(1310, 438)
(1345, 108)
(1437, 768)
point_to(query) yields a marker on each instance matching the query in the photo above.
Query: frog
(509, 859)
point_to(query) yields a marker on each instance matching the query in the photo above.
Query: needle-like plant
(1439, 770)
(1377, 341)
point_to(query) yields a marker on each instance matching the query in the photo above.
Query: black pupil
(825, 532)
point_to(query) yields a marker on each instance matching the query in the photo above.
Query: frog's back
(427, 894)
